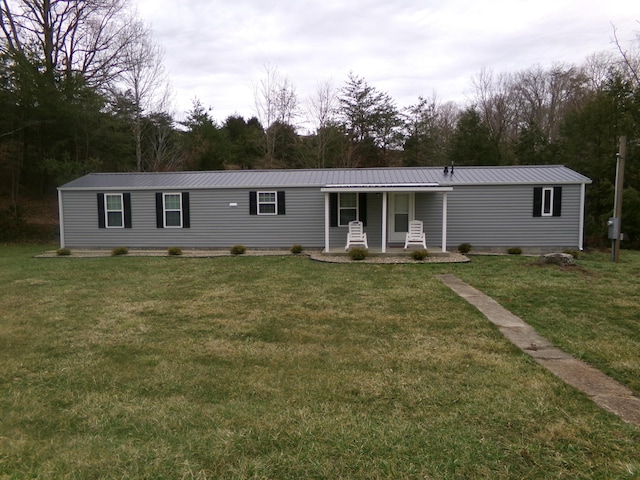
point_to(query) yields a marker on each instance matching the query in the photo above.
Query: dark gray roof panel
(538, 174)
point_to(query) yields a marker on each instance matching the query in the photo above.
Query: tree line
(83, 89)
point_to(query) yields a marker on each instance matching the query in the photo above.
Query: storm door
(400, 212)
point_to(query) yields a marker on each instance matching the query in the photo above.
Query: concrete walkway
(602, 389)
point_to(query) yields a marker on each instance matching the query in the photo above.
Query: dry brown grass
(246, 367)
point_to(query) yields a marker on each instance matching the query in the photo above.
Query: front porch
(393, 255)
(386, 211)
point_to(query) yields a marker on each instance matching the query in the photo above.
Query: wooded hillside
(82, 90)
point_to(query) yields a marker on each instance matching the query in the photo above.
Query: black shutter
(101, 223)
(537, 202)
(159, 211)
(126, 198)
(253, 203)
(333, 209)
(281, 205)
(362, 206)
(557, 201)
(186, 212)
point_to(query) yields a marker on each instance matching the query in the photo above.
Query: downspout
(444, 222)
(326, 222)
(61, 219)
(384, 222)
(583, 189)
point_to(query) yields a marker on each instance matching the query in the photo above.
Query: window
(267, 203)
(172, 210)
(347, 208)
(547, 201)
(114, 210)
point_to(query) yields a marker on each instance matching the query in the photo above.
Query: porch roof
(398, 187)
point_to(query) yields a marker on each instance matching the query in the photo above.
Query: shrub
(174, 251)
(63, 252)
(358, 253)
(238, 249)
(514, 251)
(295, 249)
(116, 252)
(464, 248)
(573, 253)
(419, 254)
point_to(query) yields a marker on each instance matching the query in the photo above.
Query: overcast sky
(216, 49)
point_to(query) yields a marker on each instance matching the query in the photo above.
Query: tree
(143, 79)
(321, 112)
(201, 142)
(60, 57)
(429, 126)
(371, 121)
(162, 151)
(471, 142)
(275, 101)
(245, 141)
(497, 107)
(70, 38)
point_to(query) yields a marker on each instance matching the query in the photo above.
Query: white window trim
(274, 203)
(107, 211)
(165, 210)
(544, 213)
(357, 207)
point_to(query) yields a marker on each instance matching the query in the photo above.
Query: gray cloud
(216, 49)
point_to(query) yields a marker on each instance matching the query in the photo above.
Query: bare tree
(596, 69)
(630, 57)
(163, 155)
(321, 110)
(276, 101)
(543, 96)
(69, 37)
(495, 101)
(144, 79)
(429, 126)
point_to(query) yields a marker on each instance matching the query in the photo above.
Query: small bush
(419, 254)
(464, 248)
(116, 252)
(573, 253)
(358, 253)
(514, 251)
(238, 249)
(174, 251)
(296, 249)
(63, 252)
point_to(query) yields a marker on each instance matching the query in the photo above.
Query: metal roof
(334, 177)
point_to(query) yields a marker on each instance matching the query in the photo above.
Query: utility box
(614, 228)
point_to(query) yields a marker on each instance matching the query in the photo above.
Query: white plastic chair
(356, 235)
(415, 235)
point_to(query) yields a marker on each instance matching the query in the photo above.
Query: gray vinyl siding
(502, 216)
(482, 215)
(373, 228)
(428, 208)
(214, 223)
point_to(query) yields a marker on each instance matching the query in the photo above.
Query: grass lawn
(280, 367)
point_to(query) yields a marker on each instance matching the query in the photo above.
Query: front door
(400, 212)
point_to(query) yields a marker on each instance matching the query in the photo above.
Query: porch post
(384, 222)
(61, 219)
(581, 227)
(444, 221)
(326, 222)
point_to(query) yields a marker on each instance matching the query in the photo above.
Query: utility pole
(617, 206)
